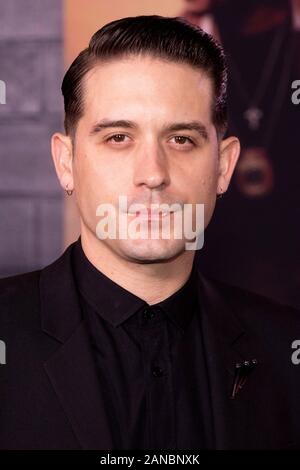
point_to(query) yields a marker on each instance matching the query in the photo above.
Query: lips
(151, 215)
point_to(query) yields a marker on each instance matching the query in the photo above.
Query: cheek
(202, 185)
(208, 188)
(203, 189)
(105, 181)
(207, 183)
(203, 170)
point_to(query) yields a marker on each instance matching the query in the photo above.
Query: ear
(229, 152)
(62, 154)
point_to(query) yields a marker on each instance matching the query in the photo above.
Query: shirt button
(157, 371)
(148, 313)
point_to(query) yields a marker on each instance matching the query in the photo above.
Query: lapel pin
(242, 370)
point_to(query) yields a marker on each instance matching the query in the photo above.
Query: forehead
(149, 86)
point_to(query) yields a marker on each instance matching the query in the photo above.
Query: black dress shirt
(150, 361)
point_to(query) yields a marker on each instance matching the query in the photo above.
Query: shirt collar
(115, 304)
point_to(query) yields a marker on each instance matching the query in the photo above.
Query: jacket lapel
(71, 369)
(227, 343)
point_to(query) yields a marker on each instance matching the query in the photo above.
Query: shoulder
(18, 282)
(19, 296)
(255, 310)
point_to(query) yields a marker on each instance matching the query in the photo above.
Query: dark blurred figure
(259, 216)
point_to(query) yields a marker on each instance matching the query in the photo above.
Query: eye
(182, 139)
(116, 138)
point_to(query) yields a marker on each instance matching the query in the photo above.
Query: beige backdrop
(81, 19)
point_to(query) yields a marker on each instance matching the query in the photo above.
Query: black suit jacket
(50, 397)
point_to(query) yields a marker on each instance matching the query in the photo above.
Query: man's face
(145, 160)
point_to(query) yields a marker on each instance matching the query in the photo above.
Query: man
(122, 342)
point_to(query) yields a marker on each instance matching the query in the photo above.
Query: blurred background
(253, 239)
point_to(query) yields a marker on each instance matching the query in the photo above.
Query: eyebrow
(171, 127)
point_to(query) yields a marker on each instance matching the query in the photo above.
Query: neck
(152, 282)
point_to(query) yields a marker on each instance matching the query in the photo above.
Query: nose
(151, 167)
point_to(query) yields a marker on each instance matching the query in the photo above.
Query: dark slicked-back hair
(172, 39)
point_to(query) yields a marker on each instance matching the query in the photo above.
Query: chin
(151, 251)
